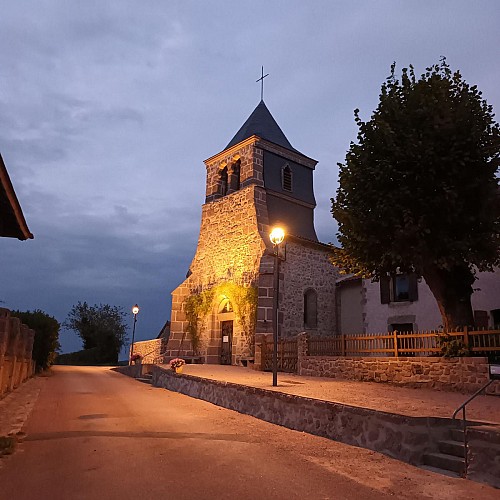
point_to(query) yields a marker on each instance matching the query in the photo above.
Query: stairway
(146, 378)
(450, 459)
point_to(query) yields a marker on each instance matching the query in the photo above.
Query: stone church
(258, 181)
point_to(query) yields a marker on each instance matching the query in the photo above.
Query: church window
(286, 178)
(223, 182)
(310, 309)
(235, 175)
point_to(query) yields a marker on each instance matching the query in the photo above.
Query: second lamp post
(135, 312)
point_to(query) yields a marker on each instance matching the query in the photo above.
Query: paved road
(96, 434)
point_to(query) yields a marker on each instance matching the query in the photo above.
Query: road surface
(96, 434)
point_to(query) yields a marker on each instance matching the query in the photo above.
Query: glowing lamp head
(135, 309)
(277, 236)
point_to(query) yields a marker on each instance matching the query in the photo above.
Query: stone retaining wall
(402, 437)
(484, 455)
(457, 374)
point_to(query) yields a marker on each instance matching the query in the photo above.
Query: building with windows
(258, 181)
(404, 303)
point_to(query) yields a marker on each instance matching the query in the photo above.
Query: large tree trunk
(452, 290)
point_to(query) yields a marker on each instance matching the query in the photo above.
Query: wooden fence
(403, 344)
(287, 355)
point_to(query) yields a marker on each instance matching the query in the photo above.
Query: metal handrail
(464, 422)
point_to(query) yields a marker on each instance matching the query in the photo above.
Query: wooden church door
(227, 342)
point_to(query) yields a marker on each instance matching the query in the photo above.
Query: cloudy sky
(109, 107)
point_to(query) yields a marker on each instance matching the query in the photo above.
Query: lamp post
(135, 312)
(277, 236)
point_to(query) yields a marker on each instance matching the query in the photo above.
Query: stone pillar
(302, 350)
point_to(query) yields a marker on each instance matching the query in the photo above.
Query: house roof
(262, 124)
(12, 221)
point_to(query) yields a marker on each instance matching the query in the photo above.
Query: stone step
(449, 447)
(446, 462)
(457, 435)
(144, 380)
(437, 470)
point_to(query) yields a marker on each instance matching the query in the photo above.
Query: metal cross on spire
(261, 80)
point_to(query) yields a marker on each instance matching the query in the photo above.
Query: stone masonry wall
(456, 374)
(150, 350)
(229, 250)
(16, 345)
(307, 267)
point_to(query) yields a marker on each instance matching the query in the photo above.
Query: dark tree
(418, 191)
(46, 341)
(100, 326)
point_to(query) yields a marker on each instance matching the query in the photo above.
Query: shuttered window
(398, 288)
(287, 178)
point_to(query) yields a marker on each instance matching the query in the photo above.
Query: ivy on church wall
(197, 306)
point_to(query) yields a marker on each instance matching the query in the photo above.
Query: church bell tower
(257, 181)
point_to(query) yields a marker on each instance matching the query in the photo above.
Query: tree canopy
(46, 341)
(418, 192)
(101, 327)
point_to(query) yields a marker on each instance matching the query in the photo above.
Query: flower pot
(178, 370)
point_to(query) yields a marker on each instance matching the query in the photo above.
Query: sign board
(495, 372)
(225, 338)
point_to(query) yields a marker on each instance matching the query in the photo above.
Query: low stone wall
(401, 437)
(134, 371)
(150, 350)
(465, 375)
(16, 345)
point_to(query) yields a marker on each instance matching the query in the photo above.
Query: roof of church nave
(262, 124)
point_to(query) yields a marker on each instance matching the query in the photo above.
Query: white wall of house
(423, 314)
(486, 295)
(350, 302)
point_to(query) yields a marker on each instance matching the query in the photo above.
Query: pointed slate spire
(261, 123)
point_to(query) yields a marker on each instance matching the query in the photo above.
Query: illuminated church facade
(257, 182)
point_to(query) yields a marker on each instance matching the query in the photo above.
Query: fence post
(302, 350)
(466, 336)
(395, 339)
(342, 337)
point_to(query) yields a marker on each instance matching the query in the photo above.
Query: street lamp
(277, 236)
(135, 312)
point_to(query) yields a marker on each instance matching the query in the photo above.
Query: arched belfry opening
(223, 181)
(235, 181)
